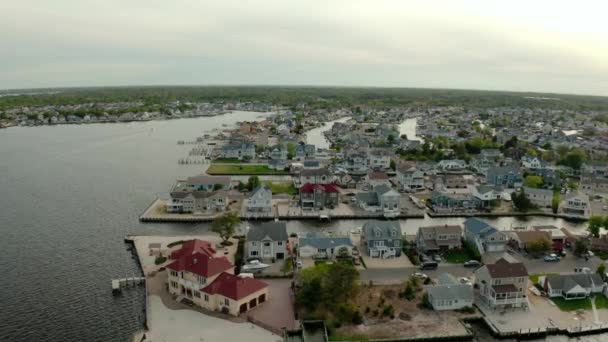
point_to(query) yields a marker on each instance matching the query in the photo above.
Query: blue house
(483, 236)
(505, 176)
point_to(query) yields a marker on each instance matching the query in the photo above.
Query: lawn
(601, 302)
(228, 160)
(534, 277)
(572, 304)
(243, 169)
(458, 256)
(282, 187)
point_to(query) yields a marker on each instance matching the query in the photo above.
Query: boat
(254, 265)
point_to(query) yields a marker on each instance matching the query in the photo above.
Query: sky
(545, 46)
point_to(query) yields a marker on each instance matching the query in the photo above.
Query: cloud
(543, 46)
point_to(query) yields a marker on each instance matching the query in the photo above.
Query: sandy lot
(408, 319)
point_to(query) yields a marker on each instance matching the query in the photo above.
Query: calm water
(316, 136)
(69, 196)
(408, 127)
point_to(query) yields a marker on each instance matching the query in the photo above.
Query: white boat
(254, 265)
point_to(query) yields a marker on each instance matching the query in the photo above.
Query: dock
(119, 284)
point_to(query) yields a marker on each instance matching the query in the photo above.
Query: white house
(260, 200)
(530, 162)
(572, 286)
(449, 294)
(268, 240)
(543, 198)
(324, 247)
(452, 165)
(379, 159)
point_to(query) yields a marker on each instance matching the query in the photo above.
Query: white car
(465, 280)
(420, 275)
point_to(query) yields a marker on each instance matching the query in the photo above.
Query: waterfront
(70, 195)
(315, 136)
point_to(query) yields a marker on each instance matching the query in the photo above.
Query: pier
(119, 284)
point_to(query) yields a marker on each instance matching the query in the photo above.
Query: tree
(533, 181)
(531, 152)
(539, 246)
(555, 202)
(390, 139)
(329, 285)
(574, 159)
(225, 225)
(595, 224)
(393, 165)
(521, 202)
(291, 150)
(580, 247)
(217, 187)
(601, 270)
(561, 150)
(253, 182)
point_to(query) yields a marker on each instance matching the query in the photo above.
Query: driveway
(278, 311)
(388, 276)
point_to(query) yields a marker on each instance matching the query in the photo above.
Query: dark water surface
(68, 196)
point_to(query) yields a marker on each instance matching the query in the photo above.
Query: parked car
(429, 265)
(551, 257)
(465, 280)
(420, 275)
(437, 257)
(472, 263)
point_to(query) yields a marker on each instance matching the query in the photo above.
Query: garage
(262, 298)
(280, 255)
(243, 308)
(253, 303)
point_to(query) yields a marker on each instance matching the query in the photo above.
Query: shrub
(375, 312)
(175, 243)
(427, 281)
(293, 235)
(388, 311)
(159, 260)
(357, 318)
(367, 309)
(424, 302)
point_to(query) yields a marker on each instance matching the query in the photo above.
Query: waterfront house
(557, 235)
(355, 160)
(433, 239)
(483, 236)
(277, 158)
(381, 239)
(576, 205)
(233, 294)
(317, 246)
(314, 176)
(452, 165)
(319, 196)
(508, 176)
(522, 239)
(572, 286)
(203, 183)
(376, 178)
(449, 294)
(484, 195)
(268, 240)
(449, 201)
(502, 284)
(592, 185)
(543, 198)
(203, 202)
(238, 150)
(382, 199)
(408, 177)
(311, 164)
(379, 159)
(303, 151)
(260, 200)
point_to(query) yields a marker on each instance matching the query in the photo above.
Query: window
(267, 244)
(197, 294)
(206, 298)
(254, 253)
(396, 243)
(174, 273)
(226, 301)
(201, 279)
(280, 243)
(253, 243)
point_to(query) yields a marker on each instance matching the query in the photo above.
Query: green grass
(601, 302)
(228, 160)
(282, 188)
(602, 255)
(243, 169)
(572, 304)
(458, 256)
(534, 277)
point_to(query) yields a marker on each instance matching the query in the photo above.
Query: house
(454, 182)
(449, 294)
(238, 150)
(452, 165)
(481, 164)
(233, 294)
(575, 204)
(277, 158)
(303, 151)
(311, 164)
(376, 178)
(525, 237)
(314, 176)
(268, 240)
(491, 154)
(592, 185)
(197, 201)
(324, 247)
(543, 198)
(484, 195)
(207, 280)
(551, 179)
(442, 200)
(202, 183)
(530, 162)
(319, 196)
(503, 284)
(557, 235)
(504, 176)
(381, 199)
(379, 159)
(484, 237)
(260, 200)
(409, 178)
(381, 239)
(438, 238)
(572, 286)
(355, 160)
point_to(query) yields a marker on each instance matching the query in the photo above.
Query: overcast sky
(552, 46)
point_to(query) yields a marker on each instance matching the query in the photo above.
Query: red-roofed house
(234, 294)
(319, 196)
(208, 281)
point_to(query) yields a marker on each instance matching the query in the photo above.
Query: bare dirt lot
(404, 320)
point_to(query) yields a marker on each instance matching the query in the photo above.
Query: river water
(71, 193)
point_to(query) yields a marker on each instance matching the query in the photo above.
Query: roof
(261, 187)
(276, 231)
(504, 269)
(384, 228)
(378, 175)
(567, 282)
(206, 180)
(309, 187)
(234, 287)
(201, 264)
(447, 279)
(369, 198)
(528, 236)
(449, 289)
(382, 189)
(507, 288)
(193, 246)
(311, 163)
(478, 227)
(315, 172)
(537, 191)
(444, 229)
(325, 241)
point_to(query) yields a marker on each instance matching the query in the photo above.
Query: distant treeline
(315, 97)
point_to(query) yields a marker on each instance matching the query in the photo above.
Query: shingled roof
(276, 231)
(234, 287)
(504, 269)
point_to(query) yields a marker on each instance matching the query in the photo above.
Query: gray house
(381, 239)
(303, 151)
(449, 294)
(484, 237)
(506, 176)
(325, 247)
(381, 199)
(238, 150)
(572, 286)
(268, 240)
(260, 200)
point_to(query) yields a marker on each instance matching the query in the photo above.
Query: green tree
(595, 223)
(225, 225)
(327, 285)
(390, 139)
(538, 247)
(253, 182)
(521, 202)
(601, 270)
(291, 150)
(580, 247)
(574, 159)
(555, 202)
(217, 187)
(393, 165)
(561, 150)
(533, 181)
(531, 152)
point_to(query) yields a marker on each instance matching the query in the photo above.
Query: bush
(375, 312)
(367, 309)
(424, 302)
(427, 281)
(175, 243)
(293, 235)
(239, 256)
(357, 318)
(226, 243)
(159, 260)
(388, 311)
